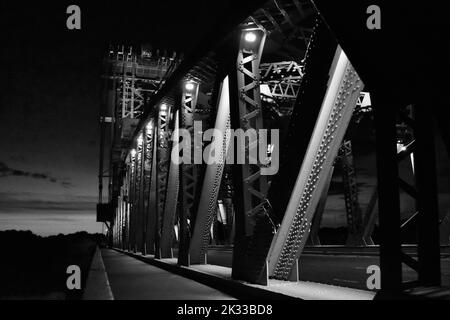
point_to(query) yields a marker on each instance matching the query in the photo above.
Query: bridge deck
(131, 279)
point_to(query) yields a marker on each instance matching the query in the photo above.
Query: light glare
(250, 37)
(189, 86)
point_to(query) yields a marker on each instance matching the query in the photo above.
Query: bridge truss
(280, 68)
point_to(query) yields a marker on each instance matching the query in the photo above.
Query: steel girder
(283, 78)
(120, 220)
(171, 199)
(148, 222)
(139, 201)
(250, 186)
(343, 91)
(132, 100)
(126, 213)
(152, 211)
(189, 173)
(211, 182)
(162, 173)
(253, 255)
(132, 237)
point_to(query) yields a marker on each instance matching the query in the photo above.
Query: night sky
(50, 99)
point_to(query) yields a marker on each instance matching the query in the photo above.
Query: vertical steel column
(126, 237)
(139, 193)
(188, 173)
(171, 200)
(132, 234)
(319, 57)
(120, 215)
(152, 225)
(211, 182)
(114, 228)
(163, 157)
(249, 185)
(148, 235)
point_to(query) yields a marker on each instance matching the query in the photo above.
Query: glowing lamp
(250, 37)
(189, 86)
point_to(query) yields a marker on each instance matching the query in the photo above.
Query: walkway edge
(97, 284)
(233, 288)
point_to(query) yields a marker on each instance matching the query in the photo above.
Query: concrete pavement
(131, 279)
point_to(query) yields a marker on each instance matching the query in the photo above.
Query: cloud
(24, 202)
(6, 171)
(17, 158)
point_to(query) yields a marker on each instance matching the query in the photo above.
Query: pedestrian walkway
(131, 279)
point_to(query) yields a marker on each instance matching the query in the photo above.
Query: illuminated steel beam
(129, 205)
(250, 185)
(148, 213)
(171, 200)
(283, 89)
(283, 69)
(132, 235)
(189, 172)
(337, 107)
(163, 158)
(125, 197)
(211, 182)
(319, 57)
(152, 217)
(139, 201)
(119, 230)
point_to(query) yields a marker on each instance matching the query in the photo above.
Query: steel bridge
(309, 70)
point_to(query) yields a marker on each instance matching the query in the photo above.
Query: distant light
(149, 126)
(163, 107)
(133, 152)
(250, 37)
(189, 86)
(401, 147)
